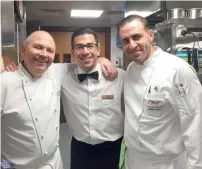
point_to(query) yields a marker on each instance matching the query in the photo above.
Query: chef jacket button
(37, 118)
(57, 144)
(30, 99)
(42, 136)
(57, 127)
(46, 153)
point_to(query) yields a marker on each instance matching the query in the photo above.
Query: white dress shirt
(93, 108)
(30, 110)
(163, 102)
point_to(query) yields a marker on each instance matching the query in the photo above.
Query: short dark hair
(83, 31)
(130, 18)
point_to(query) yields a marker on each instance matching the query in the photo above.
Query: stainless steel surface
(194, 13)
(143, 8)
(155, 36)
(9, 47)
(176, 13)
(156, 11)
(185, 22)
(23, 29)
(7, 24)
(155, 31)
(13, 33)
(169, 32)
(183, 4)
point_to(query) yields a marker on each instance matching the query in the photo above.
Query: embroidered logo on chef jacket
(156, 88)
(180, 91)
(154, 104)
(107, 97)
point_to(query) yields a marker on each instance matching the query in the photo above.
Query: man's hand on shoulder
(109, 70)
(11, 67)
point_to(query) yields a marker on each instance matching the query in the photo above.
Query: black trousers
(99, 156)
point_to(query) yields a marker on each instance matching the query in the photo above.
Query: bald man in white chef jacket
(30, 107)
(30, 100)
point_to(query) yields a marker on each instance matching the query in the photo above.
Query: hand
(11, 67)
(108, 69)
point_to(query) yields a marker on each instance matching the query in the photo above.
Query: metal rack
(169, 34)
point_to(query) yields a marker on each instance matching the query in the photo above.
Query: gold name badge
(107, 97)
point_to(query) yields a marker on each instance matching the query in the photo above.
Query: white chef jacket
(163, 105)
(30, 109)
(93, 108)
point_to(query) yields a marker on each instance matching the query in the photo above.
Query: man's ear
(98, 48)
(151, 34)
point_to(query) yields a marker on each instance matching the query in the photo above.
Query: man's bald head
(38, 35)
(38, 51)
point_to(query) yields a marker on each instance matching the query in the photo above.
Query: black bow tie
(82, 77)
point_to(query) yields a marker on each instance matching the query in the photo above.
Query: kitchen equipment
(13, 32)
(193, 58)
(194, 13)
(176, 13)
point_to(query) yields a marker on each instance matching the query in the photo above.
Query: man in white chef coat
(163, 104)
(93, 107)
(30, 107)
(30, 99)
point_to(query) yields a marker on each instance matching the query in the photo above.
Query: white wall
(116, 53)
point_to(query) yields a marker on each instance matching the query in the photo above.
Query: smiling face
(38, 52)
(85, 51)
(136, 40)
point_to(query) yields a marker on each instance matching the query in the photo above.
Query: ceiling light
(141, 13)
(86, 13)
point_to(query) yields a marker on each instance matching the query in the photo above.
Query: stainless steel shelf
(196, 23)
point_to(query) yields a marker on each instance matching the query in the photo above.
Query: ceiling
(57, 13)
